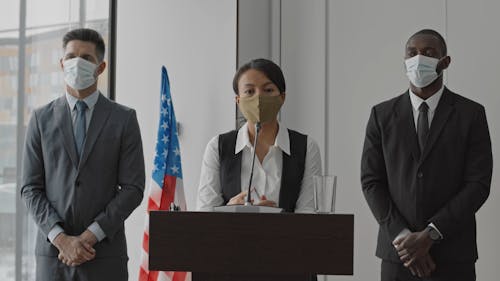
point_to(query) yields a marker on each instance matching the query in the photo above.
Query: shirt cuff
(97, 231)
(436, 229)
(403, 233)
(56, 230)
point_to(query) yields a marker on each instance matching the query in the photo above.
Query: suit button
(420, 175)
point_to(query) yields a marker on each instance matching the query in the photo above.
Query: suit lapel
(64, 123)
(406, 125)
(443, 111)
(99, 117)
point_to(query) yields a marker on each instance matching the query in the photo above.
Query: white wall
(364, 55)
(339, 59)
(196, 41)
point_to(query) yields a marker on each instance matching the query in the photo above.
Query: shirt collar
(91, 100)
(432, 101)
(282, 139)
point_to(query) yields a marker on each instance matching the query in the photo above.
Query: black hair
(271, 70)
(87, 35)
(432, 33)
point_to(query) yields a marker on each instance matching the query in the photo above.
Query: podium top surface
(251, 243)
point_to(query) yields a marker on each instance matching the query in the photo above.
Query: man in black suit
(426, 170)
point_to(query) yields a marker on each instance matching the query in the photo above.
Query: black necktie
(80, 126)
(422, 125)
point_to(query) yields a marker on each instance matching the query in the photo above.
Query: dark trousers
(444, 272)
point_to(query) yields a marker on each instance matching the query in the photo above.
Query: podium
(251, 246)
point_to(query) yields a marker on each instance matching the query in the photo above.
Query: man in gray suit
(83, 172)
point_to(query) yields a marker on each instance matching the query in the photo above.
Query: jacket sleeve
(478, 168)
(33, 180)
(131, 180)
(374, 182)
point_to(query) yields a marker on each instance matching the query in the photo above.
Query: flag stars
(165, 153)
(164, 111)
(177, 152)
(165, 139)
(175, 169)
(164, 125)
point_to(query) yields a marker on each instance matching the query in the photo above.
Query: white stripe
(144, 260)
(179, 197)
(155, 192)
(163, 276)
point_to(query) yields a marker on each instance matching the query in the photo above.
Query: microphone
(249, 194)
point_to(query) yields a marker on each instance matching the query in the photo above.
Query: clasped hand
(240, 200)
(413, 250)
(75, 250)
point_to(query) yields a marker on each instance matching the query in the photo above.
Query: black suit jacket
(445, 185)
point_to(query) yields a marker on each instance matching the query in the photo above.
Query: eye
(269, 90)
(249, 91)
(69, 56)
(411, 54)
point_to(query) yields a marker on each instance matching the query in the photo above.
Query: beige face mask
(259, 108)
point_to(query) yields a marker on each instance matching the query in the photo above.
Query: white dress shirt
(266, 176)
(91, 100)
(432, 102)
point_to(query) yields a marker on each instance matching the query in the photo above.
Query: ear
(237, 99)
(101, 67)
(283, 97)
(61, 63)
(444, 63)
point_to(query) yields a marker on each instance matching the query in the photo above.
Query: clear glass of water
(324, 194)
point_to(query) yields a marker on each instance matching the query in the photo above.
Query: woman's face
(253, 82)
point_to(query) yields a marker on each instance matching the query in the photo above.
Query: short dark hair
(432, 33)
(87, 35)
(267, 67)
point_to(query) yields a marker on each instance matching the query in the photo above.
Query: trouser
(392, 271)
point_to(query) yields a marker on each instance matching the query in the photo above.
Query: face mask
(79, 73)
(259, 108)
(421, 70)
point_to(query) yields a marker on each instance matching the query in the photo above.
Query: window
(30, 76)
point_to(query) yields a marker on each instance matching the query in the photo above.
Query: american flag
(166, 185)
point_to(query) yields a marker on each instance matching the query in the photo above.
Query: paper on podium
(247, 209)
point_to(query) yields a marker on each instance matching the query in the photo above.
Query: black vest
(291, 176)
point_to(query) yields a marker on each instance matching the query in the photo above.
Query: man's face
(85, 50)
(424, 44)
(82, 49)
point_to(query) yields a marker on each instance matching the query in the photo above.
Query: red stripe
(168, 192)
(152, 205)
(179, 276)
(143, 275)
(145, 242)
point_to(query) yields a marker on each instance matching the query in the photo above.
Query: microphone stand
(249, 196)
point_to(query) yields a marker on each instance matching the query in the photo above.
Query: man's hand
(413, 247)
(423, 267)
(89, 237)
(73, 250)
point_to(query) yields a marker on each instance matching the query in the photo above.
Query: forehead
(424, 41)
(79, 47)
(254, 77)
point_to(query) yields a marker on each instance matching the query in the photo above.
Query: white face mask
(421, 70)
(79, 73)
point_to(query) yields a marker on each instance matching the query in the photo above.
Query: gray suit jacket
(105, 186)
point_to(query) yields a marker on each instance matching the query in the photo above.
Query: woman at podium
(279, 171)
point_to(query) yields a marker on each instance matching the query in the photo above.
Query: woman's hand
(265, 202)
(238, 199)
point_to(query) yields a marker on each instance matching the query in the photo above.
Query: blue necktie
(80, 126)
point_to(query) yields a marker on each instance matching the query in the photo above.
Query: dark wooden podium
(251, 246)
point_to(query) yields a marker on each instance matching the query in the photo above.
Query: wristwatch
(434, 234)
